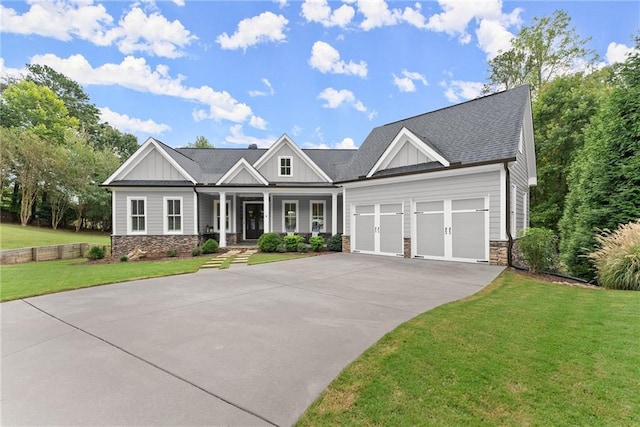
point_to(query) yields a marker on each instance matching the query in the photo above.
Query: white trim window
(285, 166)
(216, 216)
(172, 215)
(318, 215)
(514, 210)
(136, 215)
(290, 216)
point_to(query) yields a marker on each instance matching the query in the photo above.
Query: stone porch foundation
(498, 252)
(122, 245)
(346, 243)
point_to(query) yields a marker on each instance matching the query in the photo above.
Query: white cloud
(134, 73)
(8, 72)
(335, 98)
(135, 32)
(269, 90)
(153, 34)
(493, 37)
(406, 82)
(319, 11)
(346, 144)
(617, 52)
(258, 122)
(326, 59)
(377, 14)
(179, 2)
(131, 124)
(457, 90)
(316, 145)
(295, 130)
(238, 137)
(266, 27)
(281, 3)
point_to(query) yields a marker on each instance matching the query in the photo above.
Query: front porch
(250, 212)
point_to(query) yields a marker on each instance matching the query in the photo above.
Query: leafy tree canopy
(200, 142)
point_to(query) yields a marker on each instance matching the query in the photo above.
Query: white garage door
(452, 230)
(378, 229)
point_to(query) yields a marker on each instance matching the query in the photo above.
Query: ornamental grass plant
(617, 259)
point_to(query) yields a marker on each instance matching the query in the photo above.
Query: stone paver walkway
(238, 256)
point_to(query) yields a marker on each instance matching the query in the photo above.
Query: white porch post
(223, 222)
(266, 209)
(334, 213)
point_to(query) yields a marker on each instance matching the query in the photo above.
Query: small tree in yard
(539, 248)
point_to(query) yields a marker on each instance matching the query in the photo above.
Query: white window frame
(130, 218)
(165, 215)
(284, 216)
(323, 228)
(216, 214)
(280, 159)
(514, 210)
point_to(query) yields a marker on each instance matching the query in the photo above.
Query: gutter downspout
(508, 214)
(197, 211)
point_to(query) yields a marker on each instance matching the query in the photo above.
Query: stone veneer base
(498, 252)
(153, 244)
(346, 243)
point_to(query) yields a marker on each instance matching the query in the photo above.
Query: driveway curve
(251, 345)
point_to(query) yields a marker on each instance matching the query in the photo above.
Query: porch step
(237, 255)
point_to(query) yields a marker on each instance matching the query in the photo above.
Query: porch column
(266, 209)
(334, 213)
(223, 222)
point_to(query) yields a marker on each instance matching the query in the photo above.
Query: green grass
(38, 278)
(522, 352)
(13, 236)
(262, 258)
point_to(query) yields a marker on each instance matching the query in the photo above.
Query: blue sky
(242, 72)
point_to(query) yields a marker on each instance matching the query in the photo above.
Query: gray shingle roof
(482, 130)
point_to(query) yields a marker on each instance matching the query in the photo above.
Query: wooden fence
(48, 253)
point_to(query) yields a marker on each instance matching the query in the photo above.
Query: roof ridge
(173, 149)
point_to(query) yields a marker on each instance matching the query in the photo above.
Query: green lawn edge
(15, 236)
(519, 352)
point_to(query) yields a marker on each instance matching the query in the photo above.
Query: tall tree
(107, 137)
(200, 142)
(548, 48)
(561, 113)
(604, 182)
(27, 105)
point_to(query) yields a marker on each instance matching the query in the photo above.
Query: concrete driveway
(252, 345)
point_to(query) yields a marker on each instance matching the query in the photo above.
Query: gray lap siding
(154, 210)
(460, 187)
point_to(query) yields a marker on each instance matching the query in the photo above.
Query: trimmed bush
(539, 248)
(269, 242)
(617, 260)
(317, 243)
(172, 253)
(196, 252)
(124, 258)
(96, 252)
(334, 243)
(210, 247)
(281, 248)
(302, 247)
(291, 242)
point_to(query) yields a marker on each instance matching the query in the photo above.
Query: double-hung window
(318, 216)
(173, 215)
(216, 213)
(290, 216)
(137, 215)
(285, 166)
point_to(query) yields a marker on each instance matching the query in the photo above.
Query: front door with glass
(253, 220)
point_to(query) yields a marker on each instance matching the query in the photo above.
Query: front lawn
(522, 352)
(263, 257)
(13, 236)
(38, 278)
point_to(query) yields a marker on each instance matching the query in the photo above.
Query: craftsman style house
(452, 184)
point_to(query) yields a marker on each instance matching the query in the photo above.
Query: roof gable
(242, 173)
(285, 141)
(407, 149)
(151, 155)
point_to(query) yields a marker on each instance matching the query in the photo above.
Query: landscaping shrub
(124, 258)
(617, 259)
(96, 252)
(172, 253)
(269, 242)
(317, 243)
(334, 243)
(281, 248)
(302, 247)
(196, 252)
(291, 242)
(210, 247)
(539, 248)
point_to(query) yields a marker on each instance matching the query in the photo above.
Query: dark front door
(253, 220)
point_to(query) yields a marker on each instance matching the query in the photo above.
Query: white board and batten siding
(154, 167)
(155, 210)
(301, 172)
(470, 203)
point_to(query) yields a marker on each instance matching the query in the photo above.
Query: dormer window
(286, 166)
